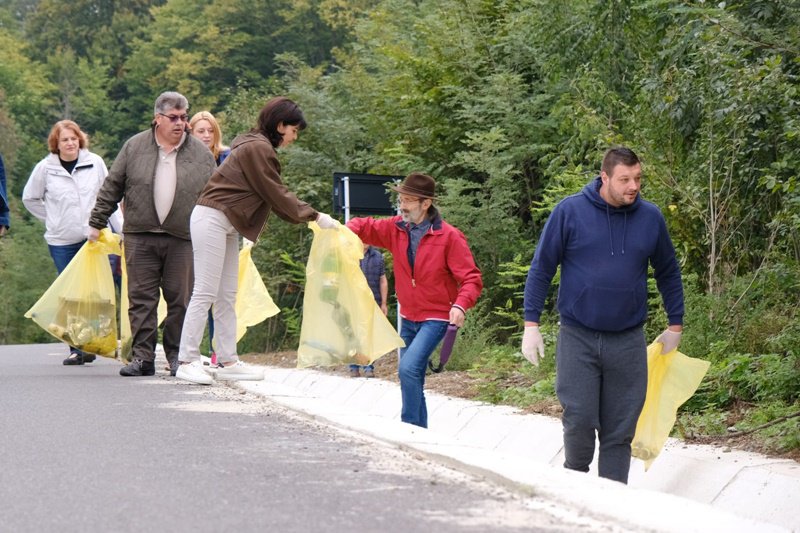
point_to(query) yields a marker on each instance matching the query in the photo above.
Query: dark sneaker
(75, 358)
(89, 357)
(173, 366)
(137, 367)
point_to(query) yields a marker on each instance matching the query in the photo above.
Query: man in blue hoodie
(604, 238)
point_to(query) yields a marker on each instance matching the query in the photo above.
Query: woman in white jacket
(61, 192)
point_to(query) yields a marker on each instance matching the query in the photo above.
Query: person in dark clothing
(5, 219)
(374, 268)
(604, 238)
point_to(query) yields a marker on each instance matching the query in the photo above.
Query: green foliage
(511, 276)
(507, 378)
(779, 435)
(509, 105)
(23, 251)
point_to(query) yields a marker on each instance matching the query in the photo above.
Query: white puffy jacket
(63, 201)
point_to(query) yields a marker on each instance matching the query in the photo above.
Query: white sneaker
(194, 373)
(239, 371)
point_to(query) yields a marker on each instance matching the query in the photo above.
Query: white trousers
(215, 245)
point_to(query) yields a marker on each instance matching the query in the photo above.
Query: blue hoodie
(604, 253)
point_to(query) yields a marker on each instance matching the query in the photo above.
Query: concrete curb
(688, 488)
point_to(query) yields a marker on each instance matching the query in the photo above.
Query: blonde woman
(206, 128)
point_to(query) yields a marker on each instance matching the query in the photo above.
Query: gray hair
(170, 100)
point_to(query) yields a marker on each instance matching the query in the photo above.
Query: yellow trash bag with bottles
(672, 378)
(80, 307)
(342, 324)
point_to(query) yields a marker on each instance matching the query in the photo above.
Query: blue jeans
(421, 339)
(365, 367)
(62, 255)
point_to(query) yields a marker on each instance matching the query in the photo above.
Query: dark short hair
(277, 110)
(619, 155)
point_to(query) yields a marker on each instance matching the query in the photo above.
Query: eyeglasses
(406, 201)
(175, 118)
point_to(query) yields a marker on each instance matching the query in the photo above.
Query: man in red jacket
(436, 281)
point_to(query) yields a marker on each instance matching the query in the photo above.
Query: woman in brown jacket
(237, 201)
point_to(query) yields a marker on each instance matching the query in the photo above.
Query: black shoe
(75, 358)
(137, 367)
(89, 357)
(173, 366)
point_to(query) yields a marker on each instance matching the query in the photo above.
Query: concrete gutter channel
(688, 488)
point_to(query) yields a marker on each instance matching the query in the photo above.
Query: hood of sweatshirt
(592, 193)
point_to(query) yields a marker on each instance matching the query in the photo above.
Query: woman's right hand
(94, 234)
(327, 222)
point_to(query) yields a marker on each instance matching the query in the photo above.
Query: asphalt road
(84, 449)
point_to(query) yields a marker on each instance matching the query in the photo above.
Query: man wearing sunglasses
(158, 175)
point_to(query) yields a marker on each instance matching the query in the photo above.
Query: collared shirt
(373, 267)
(415, 233)
(166, 179)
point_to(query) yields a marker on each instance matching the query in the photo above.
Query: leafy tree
(88, 27)
(204, 48)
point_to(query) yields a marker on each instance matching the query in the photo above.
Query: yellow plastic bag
(341, 321)
(80, 307)
(125, 335)
(671, 380)
(253, 302)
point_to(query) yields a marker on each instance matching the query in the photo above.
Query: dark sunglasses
(176, 118)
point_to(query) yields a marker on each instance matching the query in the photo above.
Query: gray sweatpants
(601, 381)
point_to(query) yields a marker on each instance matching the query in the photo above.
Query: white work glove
(327, 222)
(532, 344)
(669, 340)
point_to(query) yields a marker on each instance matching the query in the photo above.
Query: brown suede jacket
(248, 186)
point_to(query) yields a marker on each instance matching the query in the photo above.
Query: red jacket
(444, 271)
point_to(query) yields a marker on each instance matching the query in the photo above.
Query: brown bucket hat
(417, 184)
